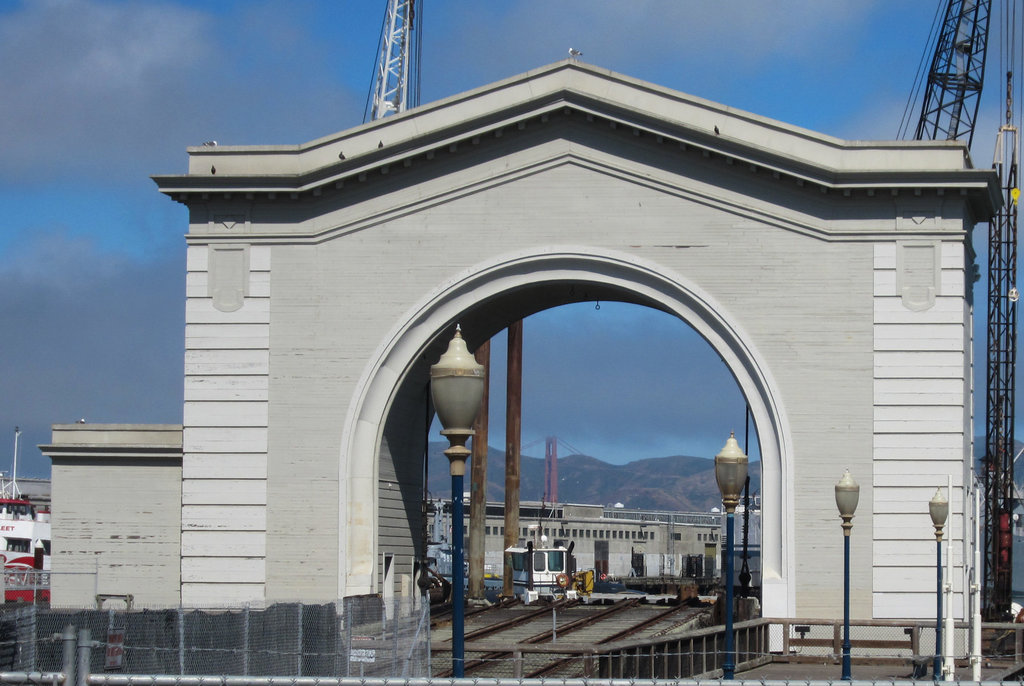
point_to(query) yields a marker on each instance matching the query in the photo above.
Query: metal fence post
(588, 665)
(110, 627)
(68, 655)
(837, 639)
(32, 648)
(298, 650)
(245, 641)
(84, 658)
(181, 640)
(346, 617)
(397, 622)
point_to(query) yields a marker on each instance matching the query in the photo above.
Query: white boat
(24, 546)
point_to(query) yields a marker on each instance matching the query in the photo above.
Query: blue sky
(99, 94)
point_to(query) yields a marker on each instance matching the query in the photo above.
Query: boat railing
(26, 579)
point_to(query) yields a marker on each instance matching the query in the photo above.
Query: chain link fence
(359, 636)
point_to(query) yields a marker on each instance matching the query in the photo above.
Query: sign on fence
(362, 654)
(115, 650)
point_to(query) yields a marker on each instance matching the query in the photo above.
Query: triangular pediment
(614, 105)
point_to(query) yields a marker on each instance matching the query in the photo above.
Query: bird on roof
(574, 53)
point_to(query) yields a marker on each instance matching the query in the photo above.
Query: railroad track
(476, 666)
(554, 667)
(441, 615)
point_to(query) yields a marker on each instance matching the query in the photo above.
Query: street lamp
(847, 497)
(456, 388)
(730, 473)
(938, 508)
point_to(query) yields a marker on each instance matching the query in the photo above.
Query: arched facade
(631, 279)
(831, 276)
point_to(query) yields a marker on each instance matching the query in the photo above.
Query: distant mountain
(678, 482)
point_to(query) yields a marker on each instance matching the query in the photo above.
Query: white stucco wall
(782, 247)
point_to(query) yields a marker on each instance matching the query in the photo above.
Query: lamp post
(456, 388)
(847, 497)
(730, 473)
(938, 508)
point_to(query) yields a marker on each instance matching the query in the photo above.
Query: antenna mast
(396, 73)
(15, 491)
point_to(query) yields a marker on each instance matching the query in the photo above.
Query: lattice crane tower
(396, 73)
(949, 111)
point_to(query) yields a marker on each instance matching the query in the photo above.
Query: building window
(677, 537)
(650, 535)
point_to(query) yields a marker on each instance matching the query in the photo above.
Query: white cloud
(88, 334)
(110, 88)
(81, 79)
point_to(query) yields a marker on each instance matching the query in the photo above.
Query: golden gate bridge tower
(551, 469)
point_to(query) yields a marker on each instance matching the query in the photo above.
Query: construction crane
(953, 91)
(1002, 356)
(396, 73)
(949, 111)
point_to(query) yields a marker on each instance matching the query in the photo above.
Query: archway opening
(387, 427)
(623, 408)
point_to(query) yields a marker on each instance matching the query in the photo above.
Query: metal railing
(369, 649)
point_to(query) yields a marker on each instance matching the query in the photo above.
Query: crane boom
(396, 71)
(953, 92)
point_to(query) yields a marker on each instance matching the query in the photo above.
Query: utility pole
(478, 483)
(513, 429)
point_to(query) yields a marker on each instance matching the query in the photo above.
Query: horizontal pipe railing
(694, 655)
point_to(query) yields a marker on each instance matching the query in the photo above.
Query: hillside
(678, 482)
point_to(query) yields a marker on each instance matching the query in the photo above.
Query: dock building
(613, 541)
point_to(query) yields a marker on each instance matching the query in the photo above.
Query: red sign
(115, 649)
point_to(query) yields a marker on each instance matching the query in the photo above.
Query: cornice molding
(581, 93)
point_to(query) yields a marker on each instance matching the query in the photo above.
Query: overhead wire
(921, 76)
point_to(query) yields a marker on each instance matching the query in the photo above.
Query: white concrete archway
(638, 281)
